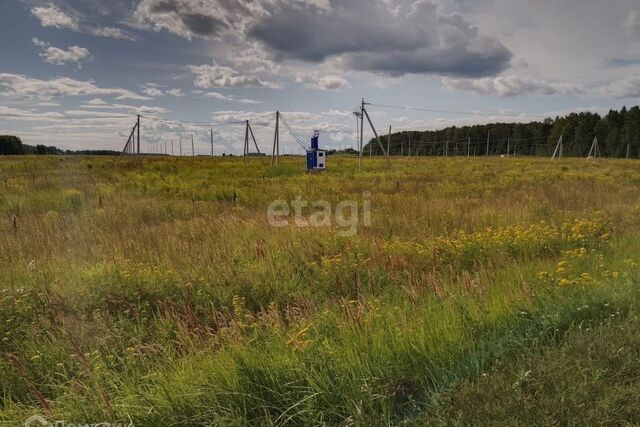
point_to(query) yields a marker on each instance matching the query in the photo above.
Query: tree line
(618, 133)
(11, 145)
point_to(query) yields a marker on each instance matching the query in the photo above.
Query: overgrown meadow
(155, 292)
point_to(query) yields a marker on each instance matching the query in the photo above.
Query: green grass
(590, 378)
(155, 291)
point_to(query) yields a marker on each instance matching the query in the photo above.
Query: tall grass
(156, 292)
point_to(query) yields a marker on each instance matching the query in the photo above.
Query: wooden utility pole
(211, 142)
(193, 147)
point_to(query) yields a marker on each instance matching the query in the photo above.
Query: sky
(75, 73)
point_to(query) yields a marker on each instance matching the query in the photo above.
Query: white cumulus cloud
(21, 86)
(58, 56)
(330, 82)
(218, 76)
(54, 17)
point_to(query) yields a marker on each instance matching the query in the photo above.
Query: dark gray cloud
(624, 62)
(410, 37)
(202, 25)
(196, 23)
(392, 37)
(191, 18)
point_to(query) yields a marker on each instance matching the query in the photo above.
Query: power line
(430, 110)
(210, 124)
(293, 133)
(65, 117)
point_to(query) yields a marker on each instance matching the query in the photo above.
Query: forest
(11, 145)
(618, 134)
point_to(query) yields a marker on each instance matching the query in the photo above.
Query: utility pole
(628, 150)
(138, 126)
(211, 142)
(409, 147)
(361, 132)
(246, 140)
(595, 150)
(375, 132)
(508, 146)
(180, 146)
(275, 155)
(358, 138)
(488, 139)
(389, 140)
(559, 148)
(193, 148)
(253, 137)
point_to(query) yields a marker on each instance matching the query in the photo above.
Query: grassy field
(156, 292)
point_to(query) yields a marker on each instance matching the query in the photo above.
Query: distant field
(156, 292)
